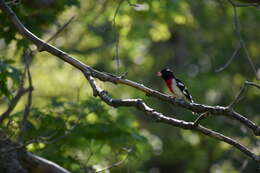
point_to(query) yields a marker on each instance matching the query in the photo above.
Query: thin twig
(139, 103)
(116, 57)
(21, 91)
(238, 97)
(230, 59)
(89, 157)
(159, 117)
(44, 139)
(194, 107)
(14, 102)
(236, 4)
(243, 166)
(253, 84)
(27, 59)
(115, 164)
(241, 92)
(200, 118)
(241, 40)
(116, 12)
(13, 2)
(131, 4)
(65, 25)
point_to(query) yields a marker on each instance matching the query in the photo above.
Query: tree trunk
(14, 159)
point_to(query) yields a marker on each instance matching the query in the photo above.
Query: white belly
(176, 90)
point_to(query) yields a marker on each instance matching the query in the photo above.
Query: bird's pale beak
(159, 74)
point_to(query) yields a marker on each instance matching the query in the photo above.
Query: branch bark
(14, 102)
(91, 73)
(14, 159)
(194, 107)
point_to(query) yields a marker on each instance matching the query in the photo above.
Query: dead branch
(245, 4)
(200, 118)
(159, 117)
(194, 107)
(64, 26)
(236, 51)
(241, 92)
(91, 73)
(38, 164)
(27, 59)
(13, 103)
(241, 40)
(114, 164)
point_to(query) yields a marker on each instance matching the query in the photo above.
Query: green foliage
(75, 130)
(194, 38)
(36, 16)
(10, 77)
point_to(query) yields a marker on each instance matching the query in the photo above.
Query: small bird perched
(175, 85)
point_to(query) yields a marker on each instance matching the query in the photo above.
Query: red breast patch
(169, 85)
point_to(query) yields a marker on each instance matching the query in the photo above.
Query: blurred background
(140, 37)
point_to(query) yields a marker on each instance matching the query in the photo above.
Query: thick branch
(159, 117)
(198, 108)
(38, 164)
(14, 159)
(138, 103)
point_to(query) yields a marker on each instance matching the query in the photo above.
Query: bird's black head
(166, 74)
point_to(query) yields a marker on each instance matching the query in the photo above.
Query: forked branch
(91, 73)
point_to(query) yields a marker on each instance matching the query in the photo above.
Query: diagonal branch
(200, 118)
(159, 117)
(242, 44)
(194, 107)
(27, 59)
(230, 59)
(115, 164)
(13, 103)
(241, 40)
(241, 92)
(246, 4)
(91, 73)
(64, 26)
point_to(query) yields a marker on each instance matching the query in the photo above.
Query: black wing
(184, 89)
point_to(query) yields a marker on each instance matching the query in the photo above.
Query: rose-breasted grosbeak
(175, 85)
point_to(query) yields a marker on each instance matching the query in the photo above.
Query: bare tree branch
(132, 4)
(115, 164)
(200, 118)
(241, 40)
(246, 4)
(13, 103)
(40, 164)
(91, 73)
(244, 164)
(159, 117)
(194, 107)
(252, 84)
(242, 90)
(13, 2)
(199, 108)
(25, 161)
(230, 59)
(116, 57)
(27, 60)
(64, 26)
(21, 91)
